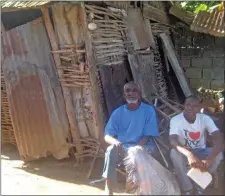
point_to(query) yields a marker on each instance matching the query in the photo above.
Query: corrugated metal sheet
(22, 4)
(33, 89)
(212, 23)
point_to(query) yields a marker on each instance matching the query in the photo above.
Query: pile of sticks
(166, 109)
(75, 72)
(109, 38)
(158, 28)
(90, 147)
(159, 72)
(6, 121)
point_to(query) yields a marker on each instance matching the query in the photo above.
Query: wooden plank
(185, 16)
(2, 28)
(157, 15)
(142, 70)
(167, 42)
(149, 32)
(137, 29)
(169, 105)
(66, 93)
(97, 111)
(93, 162)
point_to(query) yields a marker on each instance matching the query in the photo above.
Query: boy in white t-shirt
(187, 137)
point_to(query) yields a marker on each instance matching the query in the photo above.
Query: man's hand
(117, 143)
(194, 161)
(119, 146)
(206, 164)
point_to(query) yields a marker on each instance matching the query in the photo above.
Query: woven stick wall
(6, 122)
(108, 35)
(75, 72)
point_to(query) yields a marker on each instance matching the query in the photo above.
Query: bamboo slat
(7, 130)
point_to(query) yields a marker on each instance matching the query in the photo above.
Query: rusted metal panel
(22, 4)
(34, 92)
(7, 131)
(212, 23)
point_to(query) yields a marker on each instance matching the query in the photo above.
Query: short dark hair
(193, 97)
(133, 83)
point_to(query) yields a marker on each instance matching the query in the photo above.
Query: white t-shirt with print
(192, 135)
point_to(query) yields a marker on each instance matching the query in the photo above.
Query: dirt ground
(49, 176)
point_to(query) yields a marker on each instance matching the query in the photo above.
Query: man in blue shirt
(129, 125)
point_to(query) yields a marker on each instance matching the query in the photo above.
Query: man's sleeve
(151, 126)
(112, 125)
(174, 127)
(210, 125)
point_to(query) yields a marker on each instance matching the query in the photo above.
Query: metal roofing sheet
(34, 93)
(212, 23)
(22, 4)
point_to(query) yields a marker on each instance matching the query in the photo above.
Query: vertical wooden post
(66, 93)
(2, 28)
(97, 110)
(171, 54)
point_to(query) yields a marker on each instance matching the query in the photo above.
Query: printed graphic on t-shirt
(192, 139)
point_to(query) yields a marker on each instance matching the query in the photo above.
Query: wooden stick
(112, 36)
(93, 162)
(101, 10)
(66, 92)
(62, 51)
(99, 17)
(169, 105)
(65, 58)
(108, 31)
(97, 111)
(163, 114)
(89, 155)
(122, 50)
(121, 172)
(112, 63)
(107, 41)
(163, 157)
(109, 46)
(113, 26)
(108, 21)
(75, 83)
(111, 54)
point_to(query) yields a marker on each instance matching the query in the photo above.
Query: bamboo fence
(6, 121)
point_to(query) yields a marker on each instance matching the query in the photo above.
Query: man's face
(191, 107)
(131, 93)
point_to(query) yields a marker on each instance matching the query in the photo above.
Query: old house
(64, 65)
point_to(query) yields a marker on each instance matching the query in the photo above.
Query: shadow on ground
(67, 170)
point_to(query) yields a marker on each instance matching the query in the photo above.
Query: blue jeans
(112, 159)
(180, 165)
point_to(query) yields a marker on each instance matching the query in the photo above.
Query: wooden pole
(171, 55)
(66, 93)
(97, 110)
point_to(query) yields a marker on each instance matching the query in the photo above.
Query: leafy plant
(196, 6)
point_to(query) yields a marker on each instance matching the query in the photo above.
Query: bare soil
(48, 176)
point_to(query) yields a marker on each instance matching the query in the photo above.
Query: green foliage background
(196, 6)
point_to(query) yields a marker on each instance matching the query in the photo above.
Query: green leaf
(201, 7)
